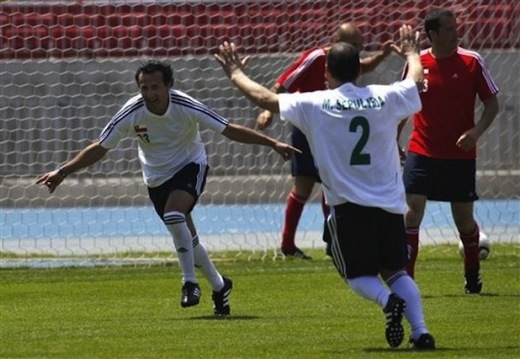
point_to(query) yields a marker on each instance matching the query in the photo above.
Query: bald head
(350, 34)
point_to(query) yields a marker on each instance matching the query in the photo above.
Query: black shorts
(440, 180)
(366, 240)
(302, 164)
(191, 178)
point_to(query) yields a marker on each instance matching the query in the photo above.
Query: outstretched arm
(246, 135)
(265, 118)
(90, 155)
(370, 63)
(232, 66)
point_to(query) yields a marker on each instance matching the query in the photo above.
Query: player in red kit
(441, 161)
(307, 74)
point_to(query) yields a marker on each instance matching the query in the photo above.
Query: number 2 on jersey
(358, 157)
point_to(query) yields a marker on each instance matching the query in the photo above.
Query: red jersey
(307, 73)
(448, 103)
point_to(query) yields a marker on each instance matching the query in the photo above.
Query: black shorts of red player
(439, 179)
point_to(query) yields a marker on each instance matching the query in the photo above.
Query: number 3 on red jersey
(425, 81)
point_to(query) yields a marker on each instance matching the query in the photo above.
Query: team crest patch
(140, 129)
(142, 133)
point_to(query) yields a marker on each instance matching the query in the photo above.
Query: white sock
(176, 224)
(406, 288)
(206, 266)
(371, 288)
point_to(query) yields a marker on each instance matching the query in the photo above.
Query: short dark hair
(156, 66)
(343, 62)
(432, 20)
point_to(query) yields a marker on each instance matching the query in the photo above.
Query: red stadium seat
(485, 32)
(164, 40)
(133, 29)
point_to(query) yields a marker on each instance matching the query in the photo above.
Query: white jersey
(352, 134)
(165, 143)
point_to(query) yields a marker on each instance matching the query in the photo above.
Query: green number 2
(358, 157)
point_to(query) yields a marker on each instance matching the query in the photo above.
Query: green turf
(280, 309)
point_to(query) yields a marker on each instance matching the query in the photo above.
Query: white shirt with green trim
(352, 134)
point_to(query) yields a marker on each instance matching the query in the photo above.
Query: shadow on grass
(227, 317)
(444, 350)
(463, 295)
(403, 350)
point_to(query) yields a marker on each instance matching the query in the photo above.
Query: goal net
(68, 66)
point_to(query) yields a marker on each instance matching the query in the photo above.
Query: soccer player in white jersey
(352, 132)
(165, 123)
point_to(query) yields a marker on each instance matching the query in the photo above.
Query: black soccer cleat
(424, 342)
(394, 330)
(190, 294)
(473, 284)
(221, 298)
(296, 253)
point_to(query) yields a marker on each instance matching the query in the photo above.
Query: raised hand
(389, 46)
(264, 119)
(229, 58)
(409, 40)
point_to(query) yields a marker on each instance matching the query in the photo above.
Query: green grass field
(280, 309)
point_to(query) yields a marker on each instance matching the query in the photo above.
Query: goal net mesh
(68, 66)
